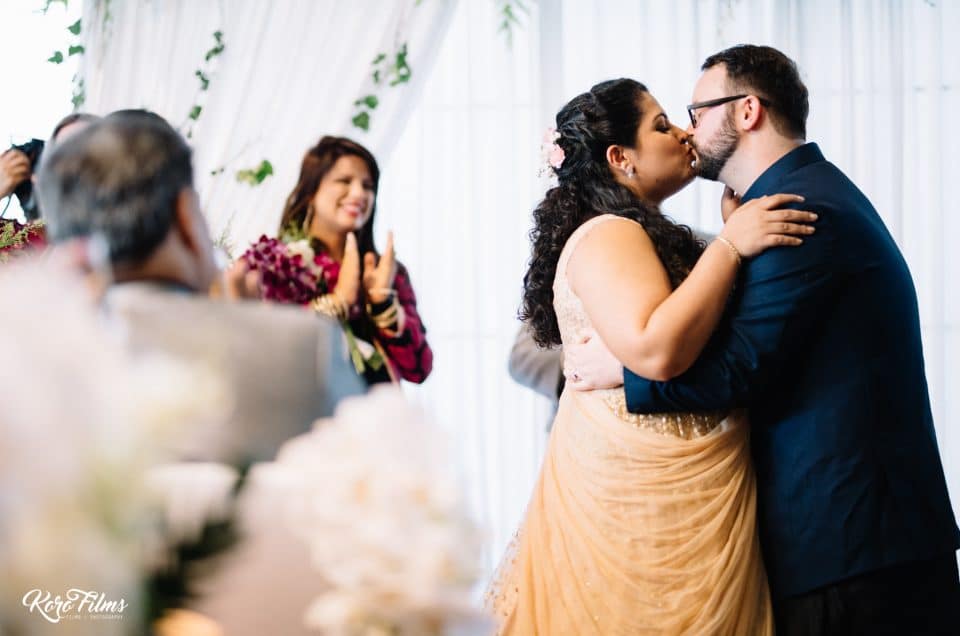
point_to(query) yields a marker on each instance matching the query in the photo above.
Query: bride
(638, 524)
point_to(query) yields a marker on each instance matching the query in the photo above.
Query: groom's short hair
(768, 73)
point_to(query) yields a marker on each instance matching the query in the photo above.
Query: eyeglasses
(692, 108)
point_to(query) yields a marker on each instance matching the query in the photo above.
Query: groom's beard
(714, 157)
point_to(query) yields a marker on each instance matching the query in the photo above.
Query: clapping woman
(333, 204)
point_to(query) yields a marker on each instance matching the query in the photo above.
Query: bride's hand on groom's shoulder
(589, 365)
(763, 223)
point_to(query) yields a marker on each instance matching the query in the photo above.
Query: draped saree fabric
(633, 532)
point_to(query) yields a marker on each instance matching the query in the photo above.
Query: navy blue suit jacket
(822, 343)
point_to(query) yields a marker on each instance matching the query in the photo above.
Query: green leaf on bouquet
(355, 356)
(362, 120)
(375, 362)
(195, 112)
(255, 176)
(370, 101)
(56, 58)
(74, 50)
(74, 28)
(379, 58)
(294, 232)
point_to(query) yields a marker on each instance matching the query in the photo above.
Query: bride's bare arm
(654, 331)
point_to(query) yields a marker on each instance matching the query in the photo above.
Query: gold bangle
(392, 324)
(733, 248)
(387, 317)
(331, 305)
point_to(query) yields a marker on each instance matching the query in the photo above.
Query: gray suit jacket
(284, 366)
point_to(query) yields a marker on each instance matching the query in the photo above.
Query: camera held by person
(16, 167)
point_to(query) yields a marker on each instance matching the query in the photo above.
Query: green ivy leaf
(75, 27)
(195, 112)
(379, 58)
(204, 80)
(370, 101)
(362, 120)
(218, 48)
(75, 50)
(403, 76)
(49, 3)
(401, 69)
(56, 58)
(510, 19)
(264, 170)
(79, 92)
(255, 176)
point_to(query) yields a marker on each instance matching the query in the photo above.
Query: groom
(822, 344)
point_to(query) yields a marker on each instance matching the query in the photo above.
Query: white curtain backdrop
(460, 152)
(290, 72)
(458, 192)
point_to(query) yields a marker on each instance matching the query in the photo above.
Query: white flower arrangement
(82, 422)
(303, 249)
(373, 493)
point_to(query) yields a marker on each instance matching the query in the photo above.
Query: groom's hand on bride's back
(589, 365)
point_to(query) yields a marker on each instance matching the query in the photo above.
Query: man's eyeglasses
(693, 108)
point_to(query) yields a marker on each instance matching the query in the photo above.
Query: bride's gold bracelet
(733, 249)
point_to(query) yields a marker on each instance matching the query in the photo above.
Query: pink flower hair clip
(551, 154)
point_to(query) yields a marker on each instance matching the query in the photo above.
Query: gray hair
(118, 178)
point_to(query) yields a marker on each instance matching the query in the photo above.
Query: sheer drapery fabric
(290, 72)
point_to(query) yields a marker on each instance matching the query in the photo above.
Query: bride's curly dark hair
(608, 114)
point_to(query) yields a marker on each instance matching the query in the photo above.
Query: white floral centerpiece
(81, 423)
(374, 494)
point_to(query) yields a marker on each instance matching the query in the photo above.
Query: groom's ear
(752, 113)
